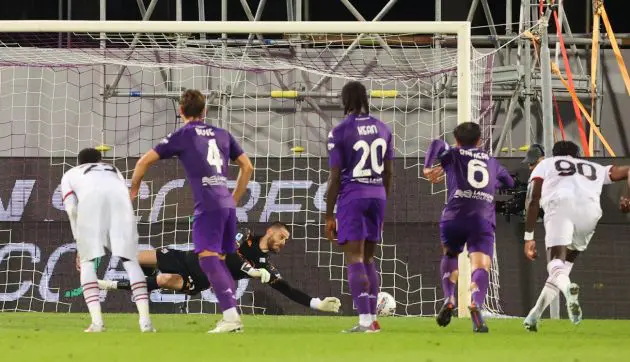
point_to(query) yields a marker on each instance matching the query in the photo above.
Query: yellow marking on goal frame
(386, 93)
(103, 148)
(284, 94)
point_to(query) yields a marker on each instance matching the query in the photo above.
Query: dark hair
(566, 148)
(354, 98)
(193, 103)
(278, 224)
(89, 155)
(467, 134)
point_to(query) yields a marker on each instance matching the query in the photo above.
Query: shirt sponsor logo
(214, 181)
(475, 195)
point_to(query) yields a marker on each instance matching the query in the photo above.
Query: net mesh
(273, 95)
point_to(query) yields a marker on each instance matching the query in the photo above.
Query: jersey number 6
(476, 167)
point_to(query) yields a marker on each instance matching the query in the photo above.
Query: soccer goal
(66, 85)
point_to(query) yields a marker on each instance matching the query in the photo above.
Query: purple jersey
(205, 152)
(472, 177)
(358, 146)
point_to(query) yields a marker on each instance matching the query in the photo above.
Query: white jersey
(86, 178)
(565, 177)
(101, 215)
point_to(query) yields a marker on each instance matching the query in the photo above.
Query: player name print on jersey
(205, 132)
(367, 130)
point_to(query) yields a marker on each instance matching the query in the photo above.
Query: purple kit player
(205, 151)
(469, 216)
(361, 169)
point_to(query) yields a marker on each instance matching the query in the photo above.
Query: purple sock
(447, 266)
(221, 282)
(481, 279)
(359, 287)
(372, 275)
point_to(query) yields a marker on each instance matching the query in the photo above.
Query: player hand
(261, 274)
(77, 262)
(530, 250)
(434, 174)
(331, 228)
(329, 304)
(133, 193)
(624, 204)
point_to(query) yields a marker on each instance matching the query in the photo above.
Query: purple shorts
(476, 234)
(360, 220)
(215, 231)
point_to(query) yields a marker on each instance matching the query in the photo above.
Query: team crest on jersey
(164, 250)
(331, 146)
(262, 260)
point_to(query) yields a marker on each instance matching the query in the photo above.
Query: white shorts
(105, 219)
(571, 224)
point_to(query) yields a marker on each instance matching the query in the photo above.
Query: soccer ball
(386, 304)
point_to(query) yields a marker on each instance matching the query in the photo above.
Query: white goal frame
(462, 29)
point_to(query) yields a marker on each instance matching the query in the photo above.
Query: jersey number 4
(372, 151)
(214, 156)
(568, 168)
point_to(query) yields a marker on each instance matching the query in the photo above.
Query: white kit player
(568, 189)
(97, 201)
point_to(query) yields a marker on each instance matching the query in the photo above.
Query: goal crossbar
(460, 28)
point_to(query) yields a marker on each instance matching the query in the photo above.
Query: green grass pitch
(182, 338)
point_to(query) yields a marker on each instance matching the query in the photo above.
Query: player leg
(452, 245)
(208, 235)
(374, 225)
(351, 235)
(91, 231)
(559, 232)
(480, 247)
(123, 237)
(148, 262)
(548, 294)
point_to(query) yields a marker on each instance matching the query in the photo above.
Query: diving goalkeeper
(179, 270)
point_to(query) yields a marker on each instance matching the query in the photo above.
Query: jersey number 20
(372, 151)
(476, 167)
(214, 156)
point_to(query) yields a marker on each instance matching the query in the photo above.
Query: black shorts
(186, 264)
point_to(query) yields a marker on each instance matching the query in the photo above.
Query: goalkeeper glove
(261, 273)
(329, 304)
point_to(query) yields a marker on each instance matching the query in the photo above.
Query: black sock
(152, 283)
(123, 284)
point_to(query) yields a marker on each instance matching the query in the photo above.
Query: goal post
(117, 83)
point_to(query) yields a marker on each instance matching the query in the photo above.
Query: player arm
(335, 163)
(70, 203)
(505, 178)
(140, 170)
(438, 151)
(329, 304)
(619, 173)
(388, 166)
(244, 175)
(534, 191)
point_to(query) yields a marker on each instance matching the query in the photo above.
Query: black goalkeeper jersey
(186, 264)
(249, 252)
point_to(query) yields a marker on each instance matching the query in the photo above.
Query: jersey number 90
(372, 150)
(568, 168)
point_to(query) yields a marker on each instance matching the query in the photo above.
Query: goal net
(116, 85)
